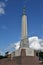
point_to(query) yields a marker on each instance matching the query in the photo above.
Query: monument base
(29, 60)
(22, 59)
(28, 51)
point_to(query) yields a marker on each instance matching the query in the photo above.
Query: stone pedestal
(28, 60)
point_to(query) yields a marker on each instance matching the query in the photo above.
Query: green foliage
(41, 55)
(6, 55)
(1, 56)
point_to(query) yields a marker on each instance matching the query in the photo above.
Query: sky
(11, 16)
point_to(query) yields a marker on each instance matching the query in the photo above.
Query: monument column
(24, 34)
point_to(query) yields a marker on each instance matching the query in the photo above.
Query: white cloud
(2, 4)
(2, 11)
(33, 43)
(41, 43)
(1, 53)
(6, 0)
(2, 8)
(17, 45)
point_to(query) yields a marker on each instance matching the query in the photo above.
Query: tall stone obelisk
(24, 24)
(24, 34)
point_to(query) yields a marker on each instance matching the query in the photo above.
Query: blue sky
(10, 20)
